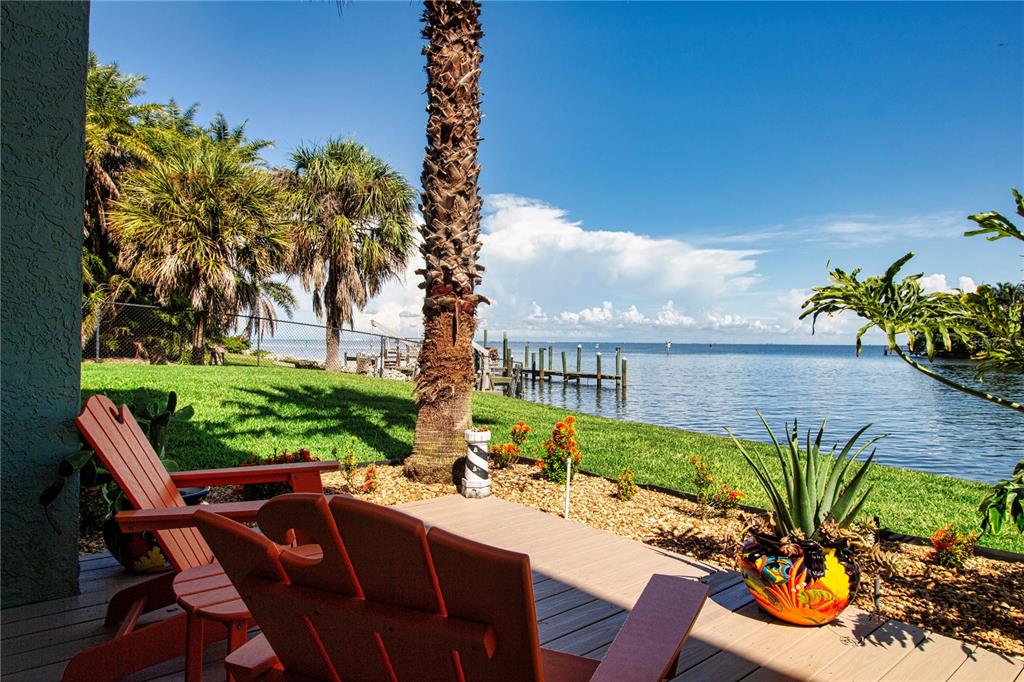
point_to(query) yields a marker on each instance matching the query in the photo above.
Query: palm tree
(451, 211)
(202, 222)
(114, 141)
(354, 228)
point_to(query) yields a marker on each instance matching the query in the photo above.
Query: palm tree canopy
(351, 211)
(203, 222)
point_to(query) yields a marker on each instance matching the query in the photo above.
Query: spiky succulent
(815, 491)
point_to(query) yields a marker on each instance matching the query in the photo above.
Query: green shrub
(627, 488)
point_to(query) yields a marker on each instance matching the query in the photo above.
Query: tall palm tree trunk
(333, 315)
(451, 211)
(199, 339)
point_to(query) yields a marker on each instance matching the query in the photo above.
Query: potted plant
(798, 564)
(135, 551)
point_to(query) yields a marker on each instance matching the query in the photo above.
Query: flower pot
(139, 552)
(811, 587)
(476, 481)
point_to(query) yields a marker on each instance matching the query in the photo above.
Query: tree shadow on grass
(273, 414)
(193, 444)
(312, 411)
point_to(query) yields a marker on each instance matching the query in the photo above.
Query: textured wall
(44, 49)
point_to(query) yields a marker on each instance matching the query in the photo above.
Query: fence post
(259, 343)
(99, 309)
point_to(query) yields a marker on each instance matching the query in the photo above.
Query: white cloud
(937, 283)
(534, 253)
(537, 313)
(668, 316)
(607, 283)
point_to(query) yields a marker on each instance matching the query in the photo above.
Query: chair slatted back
(126, 453)
(387, 601)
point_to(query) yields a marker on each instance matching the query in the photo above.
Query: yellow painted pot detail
(808, 589)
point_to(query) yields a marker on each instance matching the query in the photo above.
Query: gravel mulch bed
(982, 604)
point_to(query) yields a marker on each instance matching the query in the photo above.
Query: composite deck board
(935, 656)
(585, 581)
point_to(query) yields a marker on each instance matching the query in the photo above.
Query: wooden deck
(585, 580)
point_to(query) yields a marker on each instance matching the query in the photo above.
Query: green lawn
(241, 411)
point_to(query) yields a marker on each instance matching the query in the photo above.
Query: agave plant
(814, 493)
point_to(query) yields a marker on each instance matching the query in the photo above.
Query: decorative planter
(139, 552)
(476, 481)
(811, 588)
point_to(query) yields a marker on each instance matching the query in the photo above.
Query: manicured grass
(241, 411)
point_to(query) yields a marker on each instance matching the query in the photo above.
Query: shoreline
(241, 411)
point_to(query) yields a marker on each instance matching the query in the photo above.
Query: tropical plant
(153, 419)
(451, 238)
(815, 491)
(1004, 504)
(353, 229)
(201, 222)
(903, 308)
(114, 141)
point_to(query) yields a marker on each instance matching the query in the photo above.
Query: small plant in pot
(798, 564)
(101, 495)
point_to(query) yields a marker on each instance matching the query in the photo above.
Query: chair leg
(158, 592)
(194, 648)
(238, 632)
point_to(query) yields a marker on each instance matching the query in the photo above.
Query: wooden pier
(503, 372)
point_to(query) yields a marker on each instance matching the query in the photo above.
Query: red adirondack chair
(390, 601)
(125, 451)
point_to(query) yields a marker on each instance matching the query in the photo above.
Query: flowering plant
(951, 548)
(505, 454)
(264, 491)
(520, 430)
(370, 482)
(726, 498)
(558, 449)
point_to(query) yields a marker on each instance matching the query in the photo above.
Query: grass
(245, 410)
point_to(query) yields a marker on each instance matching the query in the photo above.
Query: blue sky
(665, 170)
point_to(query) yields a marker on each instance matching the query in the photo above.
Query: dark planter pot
(139, 552)
(811, 588)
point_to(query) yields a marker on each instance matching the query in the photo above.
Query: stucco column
(44, 55)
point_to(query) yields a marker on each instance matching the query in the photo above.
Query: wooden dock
(496, 371)
(585, 581)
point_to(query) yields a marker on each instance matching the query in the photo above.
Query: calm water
(933, 428)
(700, 388)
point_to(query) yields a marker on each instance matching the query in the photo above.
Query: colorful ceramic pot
(810, 588)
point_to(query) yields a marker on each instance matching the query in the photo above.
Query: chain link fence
(130, 332)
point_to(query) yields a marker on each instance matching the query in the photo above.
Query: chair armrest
(138, 520)
(647, 647)
(251, 660)
(304, 476)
